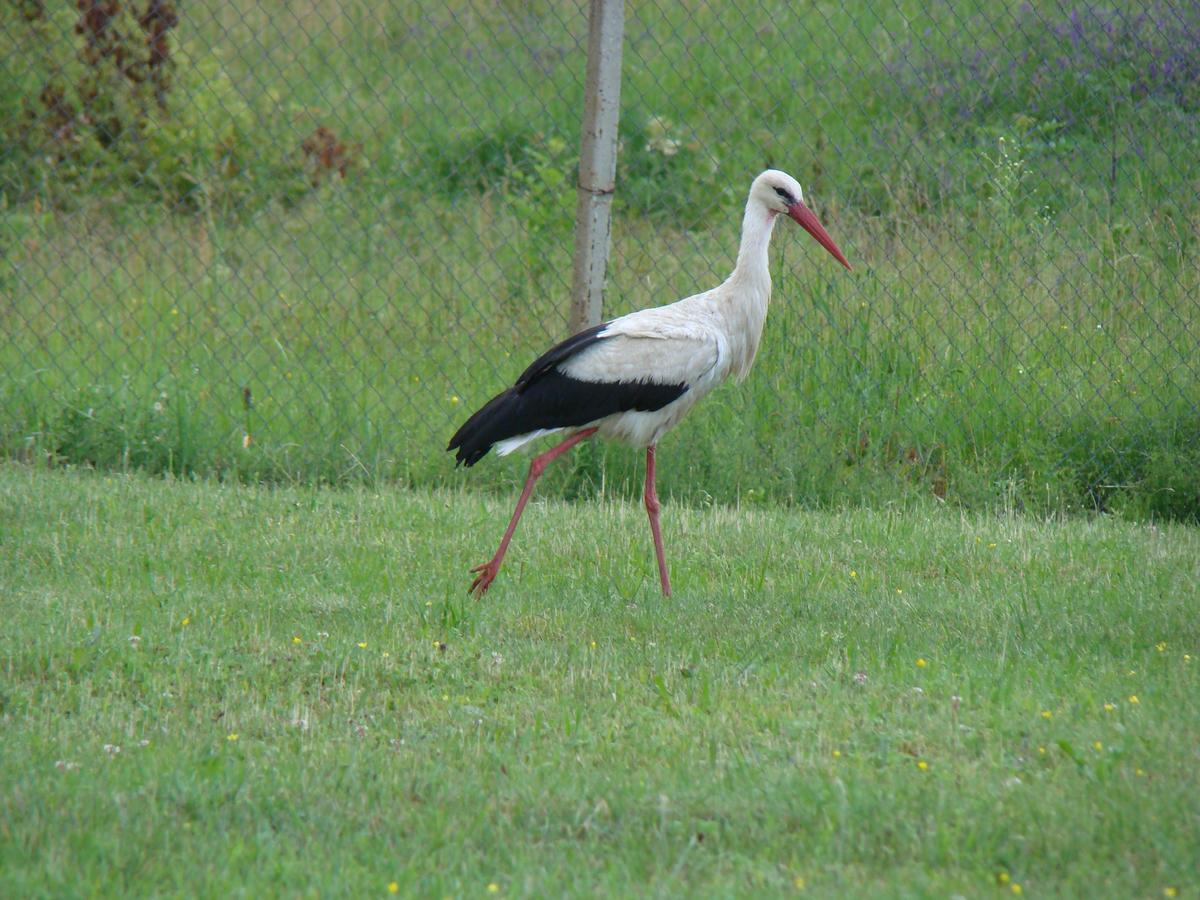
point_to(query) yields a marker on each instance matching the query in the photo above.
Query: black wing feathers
(545, 398)
(560, 353)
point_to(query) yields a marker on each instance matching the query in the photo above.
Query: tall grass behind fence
(303, 241)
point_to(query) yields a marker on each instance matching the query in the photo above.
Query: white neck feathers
(757, 225)
(747, 292)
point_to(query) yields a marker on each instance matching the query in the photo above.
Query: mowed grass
(228, 690)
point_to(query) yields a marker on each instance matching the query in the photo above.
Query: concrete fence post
(597, 161)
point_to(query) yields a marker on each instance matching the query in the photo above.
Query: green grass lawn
(901, 702)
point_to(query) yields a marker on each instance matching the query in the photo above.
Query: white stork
(634, 378)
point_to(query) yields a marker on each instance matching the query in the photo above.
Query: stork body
(632, 379)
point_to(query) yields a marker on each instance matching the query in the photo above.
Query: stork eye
(785, 195)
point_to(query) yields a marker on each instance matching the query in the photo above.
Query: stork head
(779, 192)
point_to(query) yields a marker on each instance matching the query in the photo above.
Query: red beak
(804, 216)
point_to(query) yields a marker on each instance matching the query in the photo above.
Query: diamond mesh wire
(301, 240)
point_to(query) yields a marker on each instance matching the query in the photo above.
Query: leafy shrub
(658, 171)
(104, 100)
(479, 160)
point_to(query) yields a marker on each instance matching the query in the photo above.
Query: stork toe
(487, 574)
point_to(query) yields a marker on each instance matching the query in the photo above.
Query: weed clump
(106, 100)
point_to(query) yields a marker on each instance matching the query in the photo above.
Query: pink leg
(652, 507)
(487, 571)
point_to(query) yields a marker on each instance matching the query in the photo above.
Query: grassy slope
(970, 354)
(578, 734)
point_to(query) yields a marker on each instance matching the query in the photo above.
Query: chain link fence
(303, 240)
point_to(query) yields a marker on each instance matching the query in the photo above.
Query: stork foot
(486, 575)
